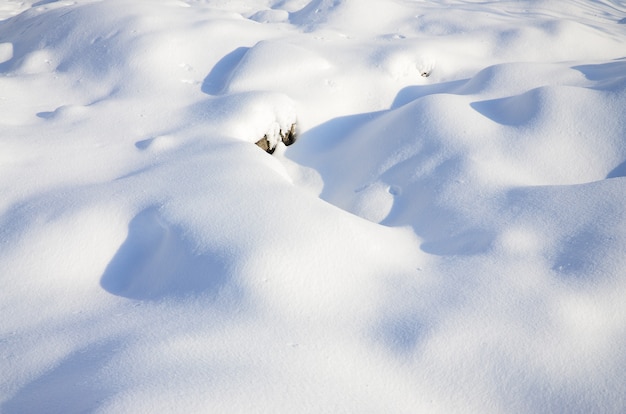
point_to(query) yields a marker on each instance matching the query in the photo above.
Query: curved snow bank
(547, 135)
(450, 243)
(267, 115)
(269, 64)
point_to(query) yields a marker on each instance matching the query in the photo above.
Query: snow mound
(250, 116)
(446, 243)
(264, 66)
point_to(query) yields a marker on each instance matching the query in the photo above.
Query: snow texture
(447, 235)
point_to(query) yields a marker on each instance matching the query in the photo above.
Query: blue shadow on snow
(155, 261)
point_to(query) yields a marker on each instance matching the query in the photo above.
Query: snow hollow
(446, 235)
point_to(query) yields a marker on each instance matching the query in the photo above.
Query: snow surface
(431, 244)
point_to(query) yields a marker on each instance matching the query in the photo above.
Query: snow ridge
(447, 243)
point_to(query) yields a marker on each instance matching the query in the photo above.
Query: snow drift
(450, 243)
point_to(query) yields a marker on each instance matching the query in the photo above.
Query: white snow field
(447, 234)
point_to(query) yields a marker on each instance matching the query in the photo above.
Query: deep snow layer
(445, 243)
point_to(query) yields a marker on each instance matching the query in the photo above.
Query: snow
(446, 243)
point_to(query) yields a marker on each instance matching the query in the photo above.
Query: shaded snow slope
(445, 243)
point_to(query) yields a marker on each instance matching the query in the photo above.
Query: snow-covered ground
(448, 234)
